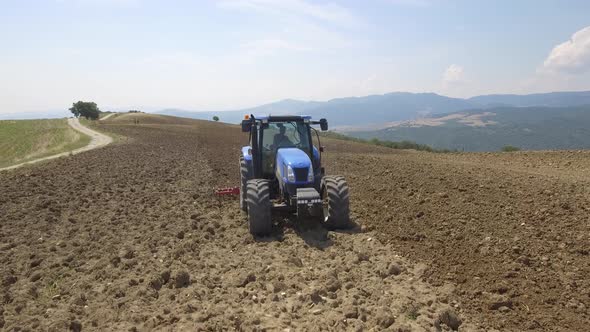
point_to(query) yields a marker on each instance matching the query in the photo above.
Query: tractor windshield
(286, 134)
(293, 134)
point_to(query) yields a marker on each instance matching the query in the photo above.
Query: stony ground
(130, 237)
(511, 231)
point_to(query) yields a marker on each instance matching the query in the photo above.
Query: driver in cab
(280, 139)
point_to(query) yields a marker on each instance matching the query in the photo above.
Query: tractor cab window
(283, 135)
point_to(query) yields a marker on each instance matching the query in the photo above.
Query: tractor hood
(293, 157)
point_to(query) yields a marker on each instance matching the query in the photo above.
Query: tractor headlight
(310, 174)
(290, 174)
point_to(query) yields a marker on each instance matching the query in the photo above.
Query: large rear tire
(335, 201)
(259, 207)
(244, 176)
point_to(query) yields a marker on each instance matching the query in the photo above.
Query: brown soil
(130, 237)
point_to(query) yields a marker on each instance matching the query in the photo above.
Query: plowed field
(130, 237)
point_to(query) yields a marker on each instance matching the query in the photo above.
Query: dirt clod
(8, 280)
(351, 312)
(296, 261)
(450, 319)
(75, 326)
(182, 279)
(128, 254)
(385, 319)
(496, 301)
(250, 277)
(393, 269)
(165, 276)
(156, 283)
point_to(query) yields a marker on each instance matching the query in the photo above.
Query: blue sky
(228, 54)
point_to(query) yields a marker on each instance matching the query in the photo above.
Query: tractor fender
(316, 157)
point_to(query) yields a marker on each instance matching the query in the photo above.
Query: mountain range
(555, 120)
(55, 114)
(378, 110)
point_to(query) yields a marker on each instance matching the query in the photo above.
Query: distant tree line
(402, 145)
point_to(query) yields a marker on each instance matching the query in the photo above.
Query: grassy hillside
(402, 145)
(24, 140)
(530, 128)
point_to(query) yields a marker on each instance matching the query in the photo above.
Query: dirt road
(97, 140)
(130, 237)
(107, 116)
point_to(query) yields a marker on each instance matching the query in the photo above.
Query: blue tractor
(281, 170)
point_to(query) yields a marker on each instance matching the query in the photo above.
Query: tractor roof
(281, 118)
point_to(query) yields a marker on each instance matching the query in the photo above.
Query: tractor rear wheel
(259, 207)
(335, 201)
(244, 176)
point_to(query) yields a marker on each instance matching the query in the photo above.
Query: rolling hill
(25, 140)
(287, 106)
(531, 128)
(552, 99)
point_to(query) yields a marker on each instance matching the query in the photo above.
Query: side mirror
(322, 148)
(323, 124)
(246, 126)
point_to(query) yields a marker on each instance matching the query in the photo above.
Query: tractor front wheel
(335, 201)
(259, 207)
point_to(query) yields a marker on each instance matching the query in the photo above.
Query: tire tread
(338, 195)
(259, 207)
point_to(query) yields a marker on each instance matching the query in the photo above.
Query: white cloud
(329, 12)
(572, 56)
(454, 82)
(367, 85)
(295, 26)
(453, 74)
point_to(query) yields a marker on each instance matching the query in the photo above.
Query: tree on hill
(89, 110)
(215, 118)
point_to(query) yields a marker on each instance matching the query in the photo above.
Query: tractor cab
(281, 170)
(283, 135)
